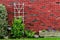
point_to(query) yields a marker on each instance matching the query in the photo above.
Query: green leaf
(17, 27)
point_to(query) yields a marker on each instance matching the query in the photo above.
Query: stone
(36, 36)
(50, 33)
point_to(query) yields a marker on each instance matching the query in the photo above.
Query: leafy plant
(29, 33)
(3, 21)
(17, 27)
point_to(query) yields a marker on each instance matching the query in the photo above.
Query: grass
(55, 38)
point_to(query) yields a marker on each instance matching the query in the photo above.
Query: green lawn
(42, 39)
(34, 39)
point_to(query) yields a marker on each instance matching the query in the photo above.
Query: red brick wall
(39, 14)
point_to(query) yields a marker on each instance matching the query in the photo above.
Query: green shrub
(3, 21)
(17, 27)
(29, 33)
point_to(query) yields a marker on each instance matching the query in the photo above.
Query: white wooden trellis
(19, 10)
